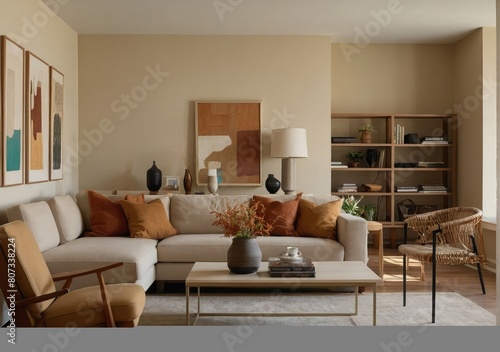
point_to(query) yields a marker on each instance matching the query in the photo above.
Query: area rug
(452, 309)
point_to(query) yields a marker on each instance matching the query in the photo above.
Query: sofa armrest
(352, 233)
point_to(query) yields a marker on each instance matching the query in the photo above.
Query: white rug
(452, 309)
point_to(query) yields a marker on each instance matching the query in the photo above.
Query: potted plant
(369, 212)
(242, 223)
(354, 158)
(351, 205)
(366, 133)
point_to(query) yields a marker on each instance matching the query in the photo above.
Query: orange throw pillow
(106, 217)
(136, 198)
(281, 214)
(315, 220)
(148, 220)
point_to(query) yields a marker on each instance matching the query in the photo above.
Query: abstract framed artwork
(228, 139)
(12, 112)
(37, 119)
(56, 120)
(172, 183)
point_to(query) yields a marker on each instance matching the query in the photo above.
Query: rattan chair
(447, 236)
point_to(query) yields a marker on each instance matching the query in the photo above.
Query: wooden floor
(451, 278)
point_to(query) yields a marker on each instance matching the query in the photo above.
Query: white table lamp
(288, 144)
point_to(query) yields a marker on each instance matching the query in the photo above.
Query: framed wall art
(12, 112)
(56, 120)
(228, 139)
(171, 183)
(37, 119)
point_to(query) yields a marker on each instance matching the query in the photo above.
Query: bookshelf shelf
(396, 151)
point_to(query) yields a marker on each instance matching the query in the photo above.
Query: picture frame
(37, 119)
(12, 113)
(171, 183)
(56, 124)
(228, 139)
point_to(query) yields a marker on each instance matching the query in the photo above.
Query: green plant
(355, 157)
(366, 128)
(351, 205)
(243, 221)
(369, 211)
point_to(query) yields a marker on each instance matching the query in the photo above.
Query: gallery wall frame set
(228, 139)
(31, 116)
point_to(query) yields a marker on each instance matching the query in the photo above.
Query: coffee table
(328, 275)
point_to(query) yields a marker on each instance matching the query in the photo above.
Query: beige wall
(128, 119)
(392, 78)
(35, 28)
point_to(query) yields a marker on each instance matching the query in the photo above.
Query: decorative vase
(212, 183)
(272, 184)
(366, 137)
(244, 256)
(153, 178)
(371, 157)
(187, 181)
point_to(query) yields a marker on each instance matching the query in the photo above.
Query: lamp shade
(289, 143)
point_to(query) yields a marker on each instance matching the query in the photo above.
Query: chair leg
(434, 235)
(404, 280)
(422, 272)
(479, 270)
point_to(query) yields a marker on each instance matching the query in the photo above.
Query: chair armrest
(352, 233)
(76, 273)
(28, 301)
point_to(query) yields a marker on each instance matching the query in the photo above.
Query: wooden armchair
(447, 236)
(28, 286)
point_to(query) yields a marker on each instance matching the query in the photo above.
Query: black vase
(272, 184)
(153, 178)
(372, 157)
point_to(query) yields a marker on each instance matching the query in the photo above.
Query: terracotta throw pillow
(136, 198)
(148, 220)
(315, 220)
(283, 214)
(107, 218)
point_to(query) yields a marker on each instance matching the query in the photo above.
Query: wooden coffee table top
(216, 274)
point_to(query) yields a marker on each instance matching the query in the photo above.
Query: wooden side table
(376, 229)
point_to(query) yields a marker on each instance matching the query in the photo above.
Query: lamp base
(288, 175)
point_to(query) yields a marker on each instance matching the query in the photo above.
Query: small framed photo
(171, 183)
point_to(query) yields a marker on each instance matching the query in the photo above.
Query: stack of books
(432, 189)
(433, 140)
(279, 268)
(348, 187)
(406, 189)
(338, 164)
(430, 164)
(343, 139)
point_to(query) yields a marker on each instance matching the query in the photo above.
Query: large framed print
(12, 112)
(37, 119)
(56, 121)
(228, 139)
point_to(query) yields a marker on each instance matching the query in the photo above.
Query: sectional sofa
(59, 225)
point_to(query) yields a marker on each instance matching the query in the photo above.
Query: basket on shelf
(408, 208)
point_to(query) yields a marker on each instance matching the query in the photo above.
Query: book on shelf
(432, 188)
(339, 166)
(430, 164)
(432, 138)
(343, 139)
(348, 187)
(399, 134)
(406, 189)
(381, 158)
(434, 142)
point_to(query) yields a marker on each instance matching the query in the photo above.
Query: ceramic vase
(244, 256)
(272, 184)
(371, 157)
(153, 178)
(187, 181)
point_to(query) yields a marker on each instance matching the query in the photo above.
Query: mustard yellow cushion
(137, 198)
(315, 220)
(147, 220)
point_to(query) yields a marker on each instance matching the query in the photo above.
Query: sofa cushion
(281, 215)
(190, 248)
(318, 220)
(137, 254)
(40, 220)
(68, 217)
(107, 217)
(191, 213)
(147, 220)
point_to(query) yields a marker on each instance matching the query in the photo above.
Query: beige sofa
(58, 225)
